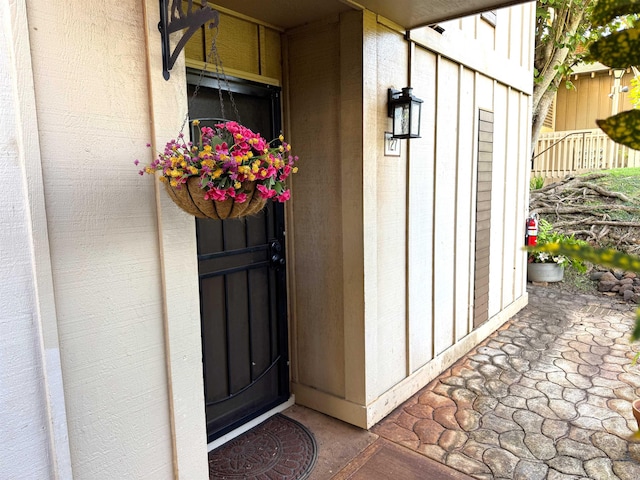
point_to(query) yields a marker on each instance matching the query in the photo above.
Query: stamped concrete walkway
(548, 396)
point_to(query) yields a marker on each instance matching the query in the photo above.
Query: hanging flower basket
(190, 198)
(229, 171)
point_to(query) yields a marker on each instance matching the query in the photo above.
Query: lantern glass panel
(401, 119)
(415, 118)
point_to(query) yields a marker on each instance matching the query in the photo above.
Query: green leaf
(635, 335)
(618, 50)
(607, 10)
(607, 257)
(623, 128)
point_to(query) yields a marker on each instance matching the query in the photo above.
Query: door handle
(277, 260)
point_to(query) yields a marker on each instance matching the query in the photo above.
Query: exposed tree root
(579, 206)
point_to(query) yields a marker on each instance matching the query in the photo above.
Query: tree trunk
(540, 114)
(550, 56)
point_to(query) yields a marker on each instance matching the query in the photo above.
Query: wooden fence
(558, 154)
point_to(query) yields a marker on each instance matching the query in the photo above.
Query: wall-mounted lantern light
(404, 108)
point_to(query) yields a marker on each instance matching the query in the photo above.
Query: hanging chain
(220, 69)
(217, 61)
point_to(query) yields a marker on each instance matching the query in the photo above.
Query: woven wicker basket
(190, 198)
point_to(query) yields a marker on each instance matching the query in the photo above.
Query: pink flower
(284, 196)
(241, 198)
(265, 192)
(216, 194)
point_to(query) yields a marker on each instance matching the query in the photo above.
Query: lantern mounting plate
(193, 19)
(392, 94)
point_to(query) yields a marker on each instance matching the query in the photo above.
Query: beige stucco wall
(383, 261)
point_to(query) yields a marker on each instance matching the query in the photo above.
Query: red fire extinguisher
(531, 237)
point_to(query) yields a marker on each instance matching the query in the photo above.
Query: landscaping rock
(617, 282)
(605, 286)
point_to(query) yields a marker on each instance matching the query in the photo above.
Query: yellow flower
(237, 185)
(281, 138)
(217, 173)
(176, 173)
(205, 151)
(163, 179)
(251, 177)
(193, 170)
(196, 122)
(173, 183)
(295, 169)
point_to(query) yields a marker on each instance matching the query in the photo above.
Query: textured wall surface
(22, 396)
(417, 209)
(33, 430)
(130, 350)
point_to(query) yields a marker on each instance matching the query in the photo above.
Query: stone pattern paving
(547, 396)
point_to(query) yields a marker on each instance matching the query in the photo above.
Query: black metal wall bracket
(192, 20)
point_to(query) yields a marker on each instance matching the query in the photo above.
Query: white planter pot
(545, 272)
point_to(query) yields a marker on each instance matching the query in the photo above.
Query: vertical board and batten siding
(498, 201)
(418, 211)
(421, 182)
(384, 371)
(522, 195)
(444, 217)
(515, 193)
(464, 201)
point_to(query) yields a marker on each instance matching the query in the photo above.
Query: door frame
(246, 87)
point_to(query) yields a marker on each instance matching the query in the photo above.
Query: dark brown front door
(242, 282)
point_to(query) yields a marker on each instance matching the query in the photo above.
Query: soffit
(406, 13)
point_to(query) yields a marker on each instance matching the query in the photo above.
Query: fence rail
(558, 154)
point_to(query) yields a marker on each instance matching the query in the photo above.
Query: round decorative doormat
(278, 449)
